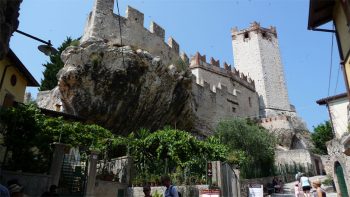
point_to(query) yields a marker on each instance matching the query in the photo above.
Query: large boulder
(123, 91)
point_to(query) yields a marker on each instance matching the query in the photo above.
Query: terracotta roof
(331, 98)
(320, 12)
(20, 66)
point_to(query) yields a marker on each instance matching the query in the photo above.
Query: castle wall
(280, 122)
(256, 53)
(103, 25)
(211, 107)
(220, 93)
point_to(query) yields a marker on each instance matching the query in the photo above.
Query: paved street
(289, 188)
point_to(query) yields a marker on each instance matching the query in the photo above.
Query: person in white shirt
(305, 184)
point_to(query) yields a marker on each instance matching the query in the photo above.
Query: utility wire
(336, 82)
(120, 32)
(331, 65)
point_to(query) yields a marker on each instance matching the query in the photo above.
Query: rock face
(9, 12)
(291, 132)
(123, 92)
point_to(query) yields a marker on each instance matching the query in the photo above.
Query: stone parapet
(280, 122)
(199, 61)
(254, 26)
(104, 25)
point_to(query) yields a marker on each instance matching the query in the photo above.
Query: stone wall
(34, 184)
(188, 191)
(220, 93)
(256, 53)
(328, 164)
(335, 151)
(105, 26)
(296, 157)
(50, 99)
(109, 188)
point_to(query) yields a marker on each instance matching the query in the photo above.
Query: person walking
(318, 191)
(147, 191)
(305, 185)
(170, 189)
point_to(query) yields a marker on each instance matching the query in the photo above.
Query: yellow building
(14, 78)
(338, 12)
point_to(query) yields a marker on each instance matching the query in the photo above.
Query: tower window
(263, 34)
(233, 109)
(246, 35)
(250, 101)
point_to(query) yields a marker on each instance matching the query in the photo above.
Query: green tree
(28, 136)
(51, 68)
(172, 151)
(322, 133)
(252, 147)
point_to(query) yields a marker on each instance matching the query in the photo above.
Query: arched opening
(338, 169)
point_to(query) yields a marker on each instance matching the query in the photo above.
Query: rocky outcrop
(290, 130)
(9, 12)
(123, 91)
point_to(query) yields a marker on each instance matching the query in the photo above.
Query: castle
(254, 89)
(126, 77)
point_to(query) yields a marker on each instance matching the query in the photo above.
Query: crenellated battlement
(223, 91)
(199, 61)
(254, 27)
(104, 25)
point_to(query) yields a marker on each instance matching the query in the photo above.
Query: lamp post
(47, 48)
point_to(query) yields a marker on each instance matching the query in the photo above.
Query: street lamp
(47, 48)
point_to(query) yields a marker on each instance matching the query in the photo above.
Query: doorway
(341, 180)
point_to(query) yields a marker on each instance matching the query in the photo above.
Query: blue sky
(204, 26)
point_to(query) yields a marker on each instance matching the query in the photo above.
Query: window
(233, 109)
(250, 102)
(13, 80)
(246, 35)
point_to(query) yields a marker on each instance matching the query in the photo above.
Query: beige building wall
(339, 115)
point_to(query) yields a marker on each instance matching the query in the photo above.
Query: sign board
(256, 190)
(210, 193)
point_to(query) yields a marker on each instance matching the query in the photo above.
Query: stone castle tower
(256, 53)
